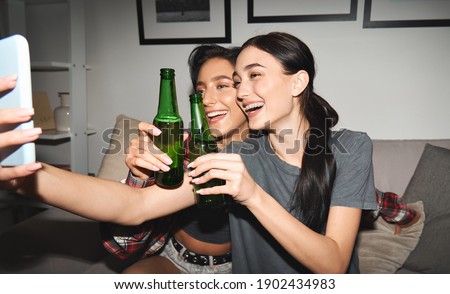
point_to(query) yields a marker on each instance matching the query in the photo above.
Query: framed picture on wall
(183, 21)
(265, 11)
(396, 14)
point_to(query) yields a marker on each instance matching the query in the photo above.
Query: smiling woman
(226, 120)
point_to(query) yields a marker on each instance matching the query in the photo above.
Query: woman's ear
(300, 83)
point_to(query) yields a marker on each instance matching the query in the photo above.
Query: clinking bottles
(202, 143)
(169, 121)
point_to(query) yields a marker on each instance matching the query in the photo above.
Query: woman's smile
(215, 116)
(253, 109)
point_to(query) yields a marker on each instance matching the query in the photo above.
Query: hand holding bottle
(202, 142)
(229, 167)
(143, 157)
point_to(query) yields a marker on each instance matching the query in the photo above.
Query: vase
(62, 113)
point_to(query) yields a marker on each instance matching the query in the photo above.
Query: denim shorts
(185, 267)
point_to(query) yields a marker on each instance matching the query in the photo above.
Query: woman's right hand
(143, 157)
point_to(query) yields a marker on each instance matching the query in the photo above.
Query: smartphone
(15, 59)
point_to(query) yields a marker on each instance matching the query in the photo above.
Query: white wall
(391, 83)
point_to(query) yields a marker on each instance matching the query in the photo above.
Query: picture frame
(152, 31)
(263, 11)
(398, 14)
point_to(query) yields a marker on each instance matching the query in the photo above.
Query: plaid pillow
(393, 208)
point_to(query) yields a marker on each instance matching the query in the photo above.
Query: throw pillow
(113, 165)
(431, 183)
(380, 251)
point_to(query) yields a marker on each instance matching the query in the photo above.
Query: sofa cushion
(431, 184)
(380, 251)
(113, 165)
(394, 162)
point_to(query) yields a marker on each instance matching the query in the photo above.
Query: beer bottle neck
(199, 123)
(168, 106)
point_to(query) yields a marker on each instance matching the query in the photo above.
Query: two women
(299, 188)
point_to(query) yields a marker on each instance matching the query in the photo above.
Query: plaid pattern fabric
(393, 209)
(122, 241)
(147, 238)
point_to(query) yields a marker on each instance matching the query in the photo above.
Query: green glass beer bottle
(202, 142)
(169, 121)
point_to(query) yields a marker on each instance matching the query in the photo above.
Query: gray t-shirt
(254, 249)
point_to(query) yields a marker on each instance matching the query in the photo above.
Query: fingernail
(167, 160)
(200, 192)
(165, 168)
(25, 112)
(34, 166)
(154, 168)
(156, 132)
(32, 132)
(191, 173)
(12, 77)
(189, 165)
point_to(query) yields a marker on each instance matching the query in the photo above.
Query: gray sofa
(56, 241)
(418, 170)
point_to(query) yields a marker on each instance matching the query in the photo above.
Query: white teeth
(253, 105)
(216, 113)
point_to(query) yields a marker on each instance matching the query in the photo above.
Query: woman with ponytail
(300, 187)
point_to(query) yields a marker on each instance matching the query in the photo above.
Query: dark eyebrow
(199, 84)
(217, 78)
(248, 67)
(221, 77)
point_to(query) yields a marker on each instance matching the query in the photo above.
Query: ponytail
(312, 197)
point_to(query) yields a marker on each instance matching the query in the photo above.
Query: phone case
(15, 59)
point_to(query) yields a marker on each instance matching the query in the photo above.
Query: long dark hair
(203, 53)
(312, 195)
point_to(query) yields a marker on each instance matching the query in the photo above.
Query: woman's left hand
(229, 167)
